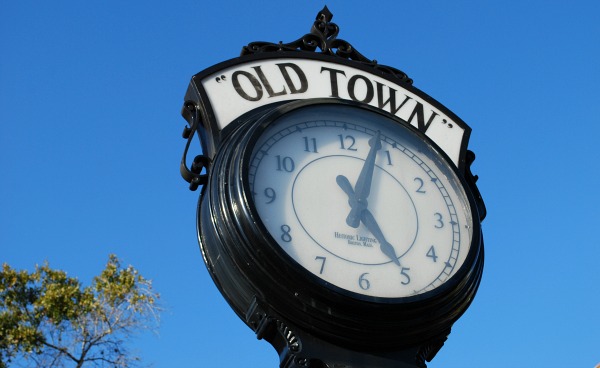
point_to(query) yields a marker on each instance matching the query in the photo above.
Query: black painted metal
(192, 175)
(323, 35)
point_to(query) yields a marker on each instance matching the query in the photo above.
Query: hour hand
(344, 183)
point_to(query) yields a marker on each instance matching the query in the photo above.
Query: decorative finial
(325, 15)
(323, 35)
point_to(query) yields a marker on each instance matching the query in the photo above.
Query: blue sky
(90, 142)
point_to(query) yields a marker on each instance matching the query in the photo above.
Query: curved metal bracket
(472, 180)
(192, 175)
(323, 35)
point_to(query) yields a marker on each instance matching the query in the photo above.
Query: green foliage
(48, 318)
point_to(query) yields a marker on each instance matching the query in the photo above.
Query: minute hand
(362, 188)
(371, 224)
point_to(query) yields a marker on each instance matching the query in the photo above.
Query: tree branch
(60, 349)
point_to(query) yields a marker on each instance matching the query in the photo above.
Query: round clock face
(360, 200)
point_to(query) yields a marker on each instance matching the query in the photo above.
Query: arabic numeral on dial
(420, 183)
(439, 220)
(322, 259)
(310, 144)
(431, 254)
(363, 282)
(406, 276)
(347, 142)
(285, 233)
(389, 158)
(270, 193)
(285, 163)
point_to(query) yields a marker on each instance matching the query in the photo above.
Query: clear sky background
(90, 143)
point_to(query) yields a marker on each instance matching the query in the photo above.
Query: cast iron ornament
(323, 35)
(275, 245)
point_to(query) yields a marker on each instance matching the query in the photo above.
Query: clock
(338, 216)
(327, 220)
(360, 200)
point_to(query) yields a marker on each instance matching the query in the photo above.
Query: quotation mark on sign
(446, 121)
(221, 79)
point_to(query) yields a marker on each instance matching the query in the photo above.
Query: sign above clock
(233, 90)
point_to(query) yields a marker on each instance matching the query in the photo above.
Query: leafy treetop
(48, 318)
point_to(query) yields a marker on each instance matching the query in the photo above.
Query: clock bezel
(246, 262)
(234, 233)
(270, 118)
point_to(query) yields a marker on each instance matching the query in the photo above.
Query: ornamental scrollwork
(323, 36)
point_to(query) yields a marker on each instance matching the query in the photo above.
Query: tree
(48, 319)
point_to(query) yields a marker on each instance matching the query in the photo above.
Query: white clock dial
(360, 200)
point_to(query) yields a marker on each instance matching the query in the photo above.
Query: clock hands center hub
(367, 219)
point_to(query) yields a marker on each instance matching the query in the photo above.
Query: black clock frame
(309, 322)
(271, 292)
